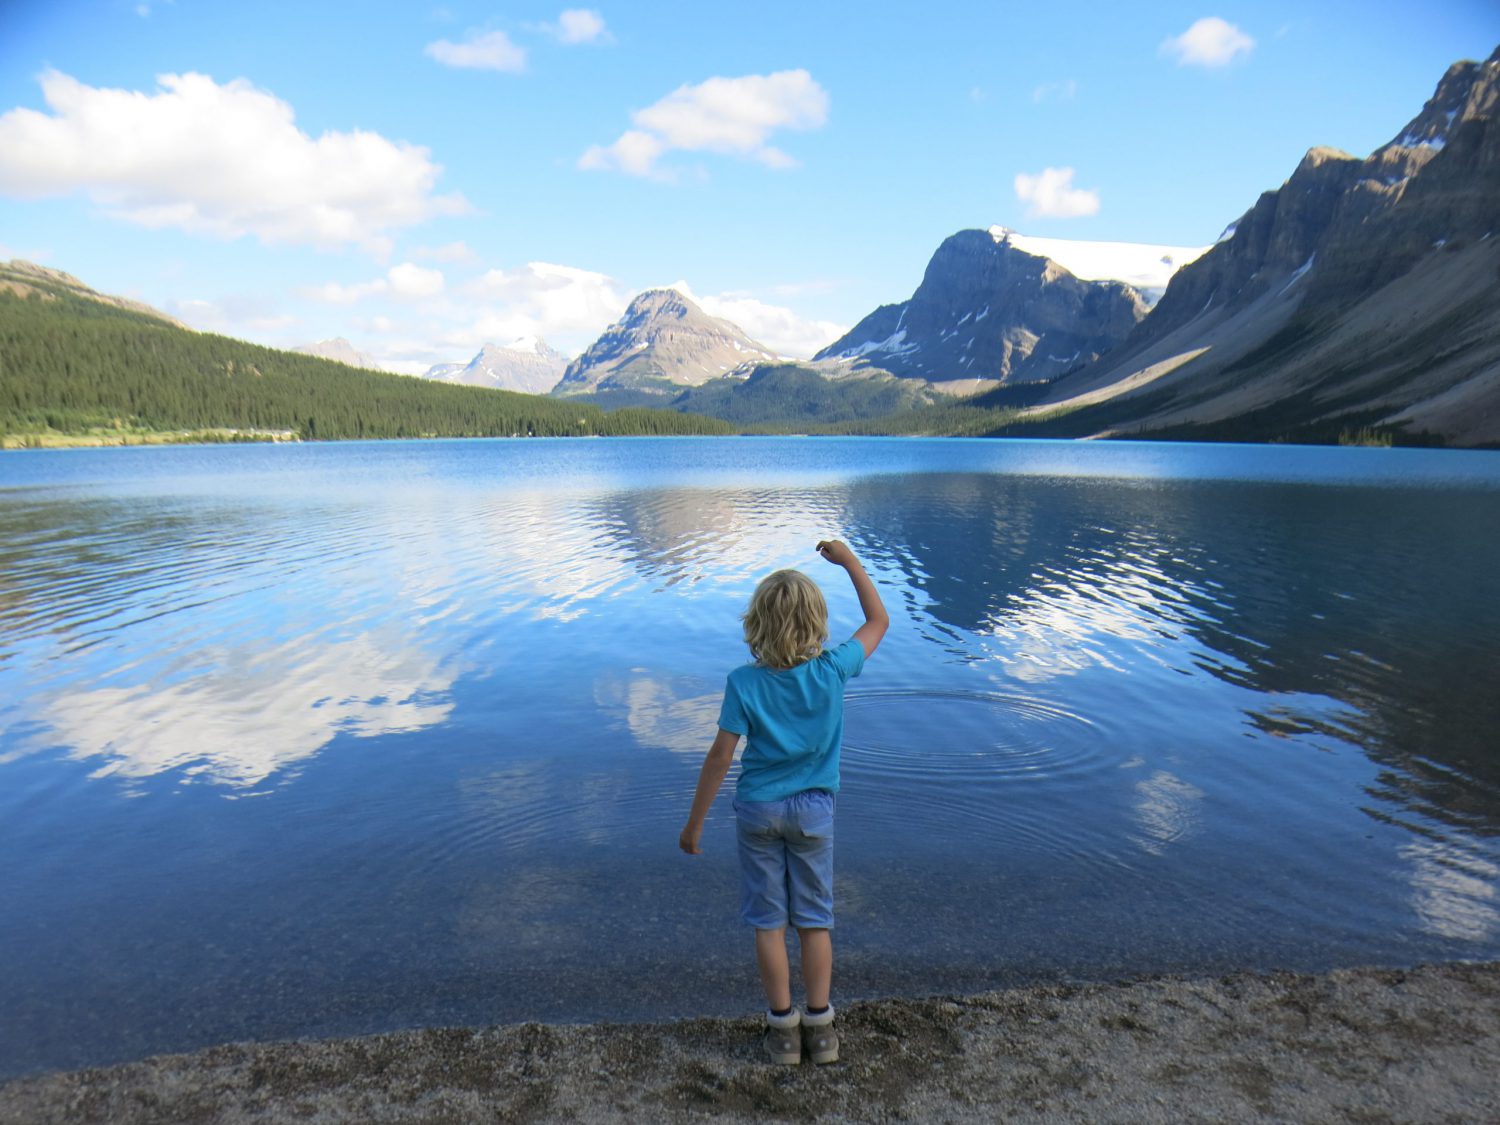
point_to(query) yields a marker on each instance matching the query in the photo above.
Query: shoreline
(1410, 1045)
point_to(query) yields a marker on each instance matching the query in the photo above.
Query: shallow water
(316, 740)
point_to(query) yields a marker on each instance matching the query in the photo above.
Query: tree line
(72, 365)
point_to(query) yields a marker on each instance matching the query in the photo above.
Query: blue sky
(423, 179)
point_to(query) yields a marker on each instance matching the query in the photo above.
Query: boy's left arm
(715, 766)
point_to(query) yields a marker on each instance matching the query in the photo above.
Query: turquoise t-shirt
(792, 720)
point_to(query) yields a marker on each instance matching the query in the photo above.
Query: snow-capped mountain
(988, 308)
(526, 364)
(662, 343)
(1362, 292)
(342, 351)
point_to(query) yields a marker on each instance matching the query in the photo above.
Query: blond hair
(787, 621)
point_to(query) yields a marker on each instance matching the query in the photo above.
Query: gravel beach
(1359, 1045)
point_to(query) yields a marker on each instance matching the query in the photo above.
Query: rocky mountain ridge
(987, 309)
(27, 279)
(662, 343)
(1361, 293)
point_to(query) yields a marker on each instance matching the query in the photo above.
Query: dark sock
(784, 1012)
(815, 1011)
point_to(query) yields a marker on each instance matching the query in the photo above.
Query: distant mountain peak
(526, 364)
(529, 345)
(662, 341)
(341, 351)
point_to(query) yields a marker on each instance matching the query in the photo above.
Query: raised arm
(876, 619)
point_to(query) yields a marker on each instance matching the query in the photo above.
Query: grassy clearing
(102, 436)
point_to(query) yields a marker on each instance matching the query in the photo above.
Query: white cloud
(1211, 41)
(733, 116)
(490, 50)
(1050, 194)
(779, 328)
(541, 299)
(580, 25)
(635, 152)
(226, 161)
(407, 281)
(1064, 91)
(413, 282)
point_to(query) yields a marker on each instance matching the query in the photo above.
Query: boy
(789, 705)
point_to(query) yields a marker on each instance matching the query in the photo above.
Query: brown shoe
(783, 1043)
(819, 1040)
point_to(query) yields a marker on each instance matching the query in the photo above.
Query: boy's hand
(837, 552)
(688, 841)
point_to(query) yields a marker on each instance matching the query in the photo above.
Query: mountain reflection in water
(1142, 708)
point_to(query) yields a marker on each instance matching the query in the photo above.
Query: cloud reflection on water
(656, 714)
(256, 713)
(1167, 810)
(1453, 890)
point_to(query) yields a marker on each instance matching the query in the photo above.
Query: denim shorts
(786, 860)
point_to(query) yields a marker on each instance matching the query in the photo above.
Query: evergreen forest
(70, 365)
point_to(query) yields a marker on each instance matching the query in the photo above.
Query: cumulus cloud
(541, 299)
(580, 25)
(732, 116)
(1211, 41)
(406, 282)
(226, 161)
(414, 282)
(779, 328)
(488, 50)
(1050, 194)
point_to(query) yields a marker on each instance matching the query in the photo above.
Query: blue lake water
(329, 739)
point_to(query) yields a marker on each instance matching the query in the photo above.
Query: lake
(310, 740)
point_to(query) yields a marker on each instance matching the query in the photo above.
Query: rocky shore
(1362, 1045)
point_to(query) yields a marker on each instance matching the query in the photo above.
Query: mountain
(1361, 294)
(662, 343)
(340, 350)
(527, 365)
(26, 279)
(989, 309)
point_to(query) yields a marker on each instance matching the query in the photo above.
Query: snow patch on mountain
(1143, 266)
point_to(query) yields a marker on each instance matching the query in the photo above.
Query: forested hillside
(71, 365)
(785, 394)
